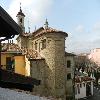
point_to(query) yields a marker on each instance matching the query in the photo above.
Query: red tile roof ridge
(79, 79)
(12, 47)
(42, 31)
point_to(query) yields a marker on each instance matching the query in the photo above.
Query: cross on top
(46, 24)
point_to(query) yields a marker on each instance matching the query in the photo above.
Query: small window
(69, 76)
(80, 85)
(10, 64)
(43, 44)
(35, 45)
(68, 64)
(21, 20)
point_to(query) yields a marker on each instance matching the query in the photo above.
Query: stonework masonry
(52, 69)
(54, 58)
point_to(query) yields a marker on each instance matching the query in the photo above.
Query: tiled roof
(69, 54)
(14, 48)
(79, 79)
(42, 31)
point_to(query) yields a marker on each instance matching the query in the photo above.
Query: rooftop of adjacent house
(14, 48)
(69, 54)
(79, 79)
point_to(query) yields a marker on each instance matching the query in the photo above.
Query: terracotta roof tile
(79, 79)
(42, 31)
(12, 47)
(69, 54)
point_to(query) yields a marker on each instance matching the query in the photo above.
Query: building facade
(55, 69)
(70, 68)
(16, 59)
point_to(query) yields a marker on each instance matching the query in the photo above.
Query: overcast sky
(79, 18)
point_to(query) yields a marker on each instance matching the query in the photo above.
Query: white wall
(91, 88)
(82, 92)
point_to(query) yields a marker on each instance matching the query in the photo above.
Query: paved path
(7, 94)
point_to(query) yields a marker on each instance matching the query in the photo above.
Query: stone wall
(54, 54)
(50, 71)
(39, 71)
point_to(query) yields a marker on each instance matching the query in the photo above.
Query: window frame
(69, 76)
(68, 63)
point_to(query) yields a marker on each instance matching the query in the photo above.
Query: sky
(79, 18)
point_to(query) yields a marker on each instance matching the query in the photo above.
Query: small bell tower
(20, 19)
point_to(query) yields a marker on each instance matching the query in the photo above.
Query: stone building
(70, 68)
(52, 68)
